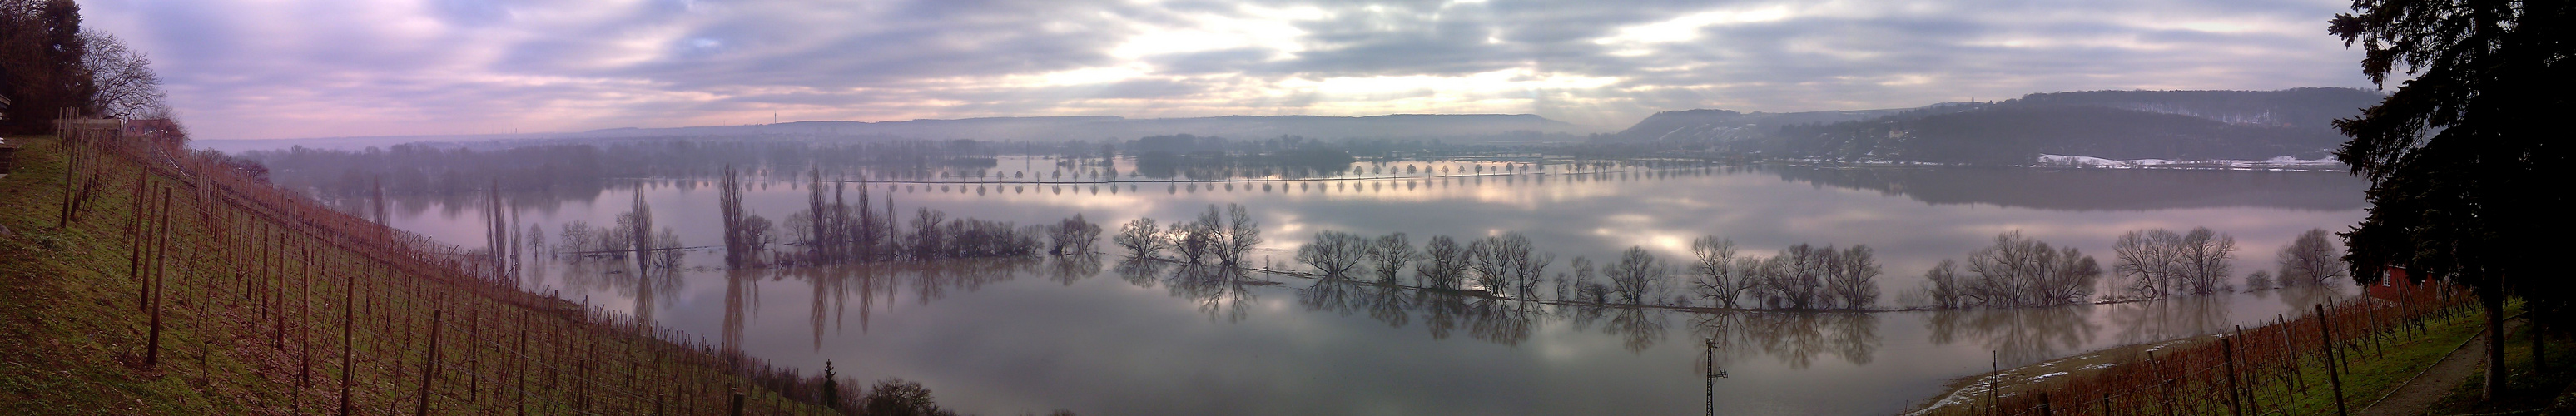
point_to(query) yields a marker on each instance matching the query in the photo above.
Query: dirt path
(2419, 394)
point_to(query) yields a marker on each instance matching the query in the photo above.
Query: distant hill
(1723, 125)
(2176, 125)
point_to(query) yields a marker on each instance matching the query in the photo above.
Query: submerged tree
(2016, 272)
(1851, 278)
(1141, 237)
(1072, 236)
(1444, 263)
(1715, 269)
(1389, 255)
(1241, 234)
(2161, 262)
(2312, 259)
(1636, 277)
(1335, 254)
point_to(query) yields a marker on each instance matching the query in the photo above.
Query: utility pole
(1708, 354)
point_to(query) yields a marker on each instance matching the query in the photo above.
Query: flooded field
(1102, 335)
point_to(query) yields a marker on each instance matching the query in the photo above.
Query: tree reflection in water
(1793, 338)
(1796, 338)
(1074, 268)
(1390, 304)
(2169, 319)
(1329, 295)
(2018, 336)
(1144, 273)
(1218, 291)
(1637, 328)
(620, 278)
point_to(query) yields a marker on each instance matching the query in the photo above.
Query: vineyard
(2297, 365)
(146, 279)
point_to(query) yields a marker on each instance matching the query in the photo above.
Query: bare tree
(1850, 280)
(2148, 260)
(1335, 254)
(1715, 267)
(1241, 235)
(2207, 257)
(1389, 255)
(1943, 286)
(1141, 237)
(1444, 262)
(1797, 275)
(2021, 272)
(928, 241)
(127, 87)
(2258, 280)
(1587, 288)
(2160, 262)
(1072, 236)
(1507, 264)
(2312, 259)
(1635, 276)
(1198, 239)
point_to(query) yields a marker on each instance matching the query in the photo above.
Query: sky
(263, 69)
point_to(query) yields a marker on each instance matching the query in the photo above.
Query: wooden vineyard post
(348, 326)
(304, 319)
(429, 370)
(520, 375)
(2331, 372)
(2228, 346)
(152, 287)
(134, 240)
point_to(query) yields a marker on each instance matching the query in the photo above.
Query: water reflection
(1218, 291)
(2174, 318)
(915, 320)
(622, 279)
(2017, 336)
(1796, 339)
(2083, 190)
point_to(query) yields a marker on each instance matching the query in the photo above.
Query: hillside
(1723, 125)
(172, 285)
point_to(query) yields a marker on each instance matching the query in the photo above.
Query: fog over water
(1103, 336)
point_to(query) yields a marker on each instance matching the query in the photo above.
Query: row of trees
(1222, 237)
(2018, 271)
(2162, 262)
(1800, 276)
(632, 236)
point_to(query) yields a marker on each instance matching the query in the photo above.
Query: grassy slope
(2374, 370)
(71, 338)
(2524, 389)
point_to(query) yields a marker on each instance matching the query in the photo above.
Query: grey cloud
(231, 65)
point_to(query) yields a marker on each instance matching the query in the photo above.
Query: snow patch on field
(2276, 163)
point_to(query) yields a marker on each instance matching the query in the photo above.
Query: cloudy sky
(249, 69)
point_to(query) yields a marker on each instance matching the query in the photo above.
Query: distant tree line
(2018, 271)
(1800, 277)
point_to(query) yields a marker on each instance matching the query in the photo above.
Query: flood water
(1103, 336)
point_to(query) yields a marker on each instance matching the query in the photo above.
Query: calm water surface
(1103, 336)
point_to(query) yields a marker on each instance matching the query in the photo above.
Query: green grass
(2524, 388)
(2373, 372)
